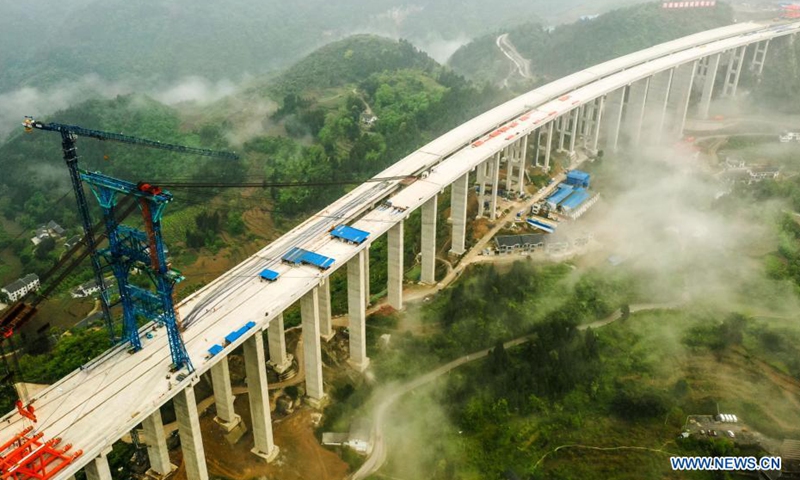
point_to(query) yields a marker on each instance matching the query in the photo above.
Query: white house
(18, 288)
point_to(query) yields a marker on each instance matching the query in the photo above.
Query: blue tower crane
(128, 247)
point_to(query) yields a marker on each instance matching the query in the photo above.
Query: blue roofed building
(578, 178)
(559, 195)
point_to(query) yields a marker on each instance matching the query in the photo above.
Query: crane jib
(30, 124)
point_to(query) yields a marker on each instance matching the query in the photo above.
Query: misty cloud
(37, 102)
(196, 90)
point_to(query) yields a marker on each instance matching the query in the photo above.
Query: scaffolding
(28, 456)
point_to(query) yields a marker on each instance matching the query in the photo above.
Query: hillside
(149, 42)
(313, 134)
(351, 60)
(572, 47)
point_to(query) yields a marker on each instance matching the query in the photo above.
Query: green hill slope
(351, 60)
(570, 48)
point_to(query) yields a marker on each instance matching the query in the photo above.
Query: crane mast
(128, 247)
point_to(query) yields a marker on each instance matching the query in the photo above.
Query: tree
(47, 245)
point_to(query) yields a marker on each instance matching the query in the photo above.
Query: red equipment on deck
(27, 457)
(26, 412)
(791, 11)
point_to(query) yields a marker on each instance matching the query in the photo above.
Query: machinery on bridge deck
(28, 456)
(127, 246)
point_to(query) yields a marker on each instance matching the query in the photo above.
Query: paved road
(508, 49)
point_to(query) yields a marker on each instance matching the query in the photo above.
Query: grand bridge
(602, 107)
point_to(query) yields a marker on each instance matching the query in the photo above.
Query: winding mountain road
(377, 457)
(508, 49)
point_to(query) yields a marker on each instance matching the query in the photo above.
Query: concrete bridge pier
(325, 327)
(614, 105)
(278, 359)
(510, 152)
(587, 122)
(357, 312)
(428, 241)
(223, 396)
(702, 69)
(548, 148)
(735, 62)
(481, 178)
(563, 120)
(98, 469)
(458, 214)
(635, 112)
(366, 274)
(157, 451)
(681, 91)
(495, 187)
(523, 158)
(312, 347)
(575, 116)
(194, 456)
(709, 78)
(395, 265)
(598, 121)
(258, 394)
(759, 57)
(657, 99)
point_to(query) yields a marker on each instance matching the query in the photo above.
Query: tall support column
(510, 153)
(588, 120)
(739, 64)
(395, 265)
(194, 456)
(549, 146)
(495, 186)
(428, 274)
(759, 57)
(523, 157)
(325, 327)
(563, 121)
(574, 132)
(635, 115)
(679, 96)
(537, 147)
(258, 393)
(278, 359)
(614, 116)
(482, 187)
(357, 312)
(366, 275)
(312, 346)
(157, 450)
(657, 97)
(597, 122)
(223, 395)
(458, 214)
(734, 71)
(98, 468)
(708, 85)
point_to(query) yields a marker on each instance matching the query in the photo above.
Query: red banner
(690, 4)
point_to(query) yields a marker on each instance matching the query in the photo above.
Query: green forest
(572, 47)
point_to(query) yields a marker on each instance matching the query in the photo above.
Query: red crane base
(27, 456)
